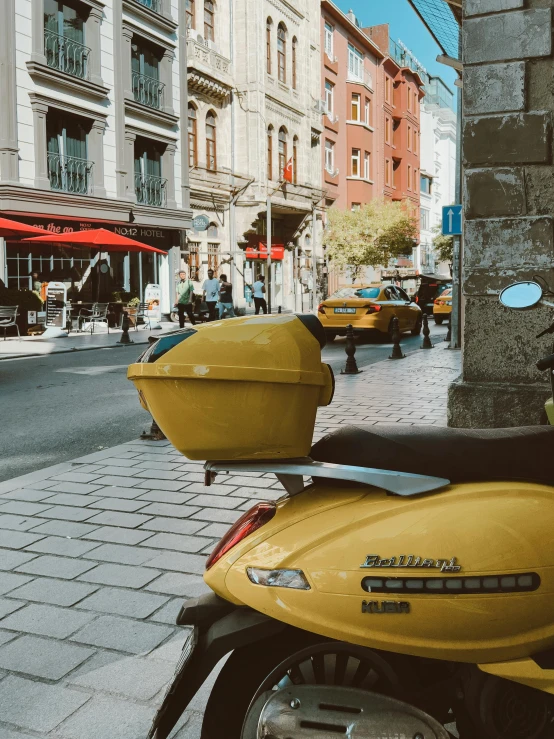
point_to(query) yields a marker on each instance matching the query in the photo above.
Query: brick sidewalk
(97, 555)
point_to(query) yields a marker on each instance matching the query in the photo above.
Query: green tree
(371, 236)
(443, 245)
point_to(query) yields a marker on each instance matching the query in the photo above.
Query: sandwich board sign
(56, 310)
(153, 300)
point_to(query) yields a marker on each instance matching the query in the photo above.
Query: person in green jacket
(185, 297)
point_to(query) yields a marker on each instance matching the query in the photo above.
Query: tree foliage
(443, 245)
(370, 236)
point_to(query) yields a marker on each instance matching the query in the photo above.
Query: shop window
(190, 9)
(209, 20)
(145, 74)
(295, 160)
(355, 107)
(282, 53)
(192, 135)
(68, 166)
(268, 31)
(282, 151)
(64, 38)
(211, 142)
(294, 62)
(329, 31)
(270, 153)
(150, 186)
(355, 163)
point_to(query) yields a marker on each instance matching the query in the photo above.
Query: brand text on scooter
(444, 565)
(385, 606)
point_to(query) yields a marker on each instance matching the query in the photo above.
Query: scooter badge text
(444, 565)
(385, 606)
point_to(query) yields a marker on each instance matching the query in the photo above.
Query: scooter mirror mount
(521, 295)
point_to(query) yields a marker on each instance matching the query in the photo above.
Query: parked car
(369, 308)
(430, 288)
(442, 307)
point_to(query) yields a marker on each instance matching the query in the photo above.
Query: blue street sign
(200, 223)
(452, 220)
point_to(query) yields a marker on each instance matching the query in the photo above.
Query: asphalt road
(62, 406)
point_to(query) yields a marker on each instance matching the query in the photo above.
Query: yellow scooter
(403, 586)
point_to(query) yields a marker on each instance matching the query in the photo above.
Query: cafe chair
(142, 313)
(98, 314)
(8, 315)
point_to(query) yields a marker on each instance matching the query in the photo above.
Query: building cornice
(68, 83)
(288, 10)
(160, 22)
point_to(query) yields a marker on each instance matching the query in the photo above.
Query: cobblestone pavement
(97, 555)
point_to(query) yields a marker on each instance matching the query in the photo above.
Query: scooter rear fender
(219, 628)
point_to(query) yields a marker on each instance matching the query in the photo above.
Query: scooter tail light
(252, 520)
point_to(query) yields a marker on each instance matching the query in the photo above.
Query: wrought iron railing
(66, 55)
(70, 174)
(148, 91)
(151, 190)
(155, 5)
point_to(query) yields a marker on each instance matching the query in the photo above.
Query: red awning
(13, 229)
(98, 238)
(259, 251)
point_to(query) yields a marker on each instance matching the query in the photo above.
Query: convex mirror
(521, 295)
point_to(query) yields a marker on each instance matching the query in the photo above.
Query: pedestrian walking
(185, 298)
(259, 295)
(225, 298)
(211, 294)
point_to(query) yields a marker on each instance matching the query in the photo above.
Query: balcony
(151, 190)
(209, 71)
(365, 79)
(147, 90)
(155, 5)
(70, 174)
(66, 55)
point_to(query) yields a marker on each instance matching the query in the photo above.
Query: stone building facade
(93, 100)
(509, 204)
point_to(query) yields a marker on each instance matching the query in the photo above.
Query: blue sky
(404, 25)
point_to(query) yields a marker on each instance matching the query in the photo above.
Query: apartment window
(68, 167)
(190, 13)
(424, 219)
(150, 187)
(355, 207)
(355, 63)
(367, 112)
(410, 141)
(282, 52)
(388, 89)
(388, 128)
(426, 184)
(268, 29)
(193, 138)
(329, 97)
(270, 153)
(64, 38)
(409, 100)
(209, 20)
(395, 168)
(355, 163)
(282, 151)
(145, 74)
(415, 180)
(367, 166)
(329, 40)
(295, 160)
(387, 173)
(211, 142)
(416, 137)
(409, 177)
(355, 107)
(329, 156)
(294, 62)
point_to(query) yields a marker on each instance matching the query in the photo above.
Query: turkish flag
(287, 172)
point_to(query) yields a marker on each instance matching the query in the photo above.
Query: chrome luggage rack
(291, 473)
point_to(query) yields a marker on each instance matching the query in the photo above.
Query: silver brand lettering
(411, 561)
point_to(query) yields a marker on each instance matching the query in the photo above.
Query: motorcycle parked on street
(403, 584)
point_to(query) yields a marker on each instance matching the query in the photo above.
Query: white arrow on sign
(450, 217)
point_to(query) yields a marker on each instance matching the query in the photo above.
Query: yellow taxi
(442, 307)
(369, 308)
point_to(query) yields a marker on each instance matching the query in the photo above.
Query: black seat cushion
(460, 455)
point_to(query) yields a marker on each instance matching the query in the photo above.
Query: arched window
(294, 62)
(212, 231)
(268, 30)
(190, 13)
(193, 139)
(270, 153)
(211, 143)
(295, 160)
(282, 52)
(209, 20)
(282, 151)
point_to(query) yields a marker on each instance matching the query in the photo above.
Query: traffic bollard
(396, 350)
(125, 323)
(350, 368)
(426, 340)
(280, 309)
(155, 433)
(449, 334)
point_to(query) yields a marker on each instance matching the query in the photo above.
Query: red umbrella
(98, 238)
(13, 229)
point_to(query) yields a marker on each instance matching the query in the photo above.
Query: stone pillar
(168, 172)
(93, 41)
(96, 153)
(166, 76)
(508, 203)
(130, 139)
(119, 101)
(124, 60)
(37, 32)
(40, 110)
(9, 147)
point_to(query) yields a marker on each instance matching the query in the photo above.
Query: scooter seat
(460, 455)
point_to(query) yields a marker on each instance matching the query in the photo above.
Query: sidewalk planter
(246, 388)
